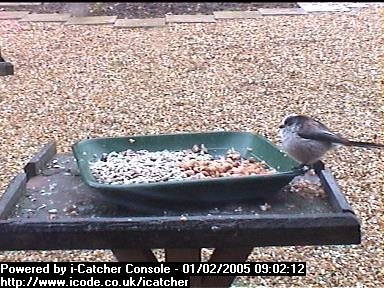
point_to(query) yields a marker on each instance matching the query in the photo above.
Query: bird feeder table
(48, 207)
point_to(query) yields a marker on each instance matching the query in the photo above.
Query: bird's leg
(318, 166)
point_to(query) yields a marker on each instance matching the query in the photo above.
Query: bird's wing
(314, 130)
(322, 135)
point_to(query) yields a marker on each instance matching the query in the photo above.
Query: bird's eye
(288, 122)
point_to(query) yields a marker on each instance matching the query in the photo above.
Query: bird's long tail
(364, 144)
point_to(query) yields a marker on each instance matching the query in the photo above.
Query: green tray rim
(90, 180)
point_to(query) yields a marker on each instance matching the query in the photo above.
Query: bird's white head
(286, 120)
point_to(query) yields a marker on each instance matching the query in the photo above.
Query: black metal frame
(6, 68)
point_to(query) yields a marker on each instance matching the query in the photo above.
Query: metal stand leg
(185, 255)
(134, 255)
(225, 255)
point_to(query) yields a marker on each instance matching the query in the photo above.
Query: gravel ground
(71, 82)
(147, 9)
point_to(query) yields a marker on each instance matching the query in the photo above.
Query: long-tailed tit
(307, 140)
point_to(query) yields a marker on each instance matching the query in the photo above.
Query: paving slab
(91, 20)
(55, 17)
(5, 15)
(323, 7)
(140, 23)
(190, 19)
(236, 14)
(282, 11)
(6, 4)
(336, 6)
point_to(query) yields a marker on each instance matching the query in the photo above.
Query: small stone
(70, 209)
(195, 148)
(41, 207)
(239, 209)
(215, 228)
(203, 149)
(265, 207)
(52, 186)
(183, 218)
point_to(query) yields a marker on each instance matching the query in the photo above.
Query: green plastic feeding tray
(213, 192)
